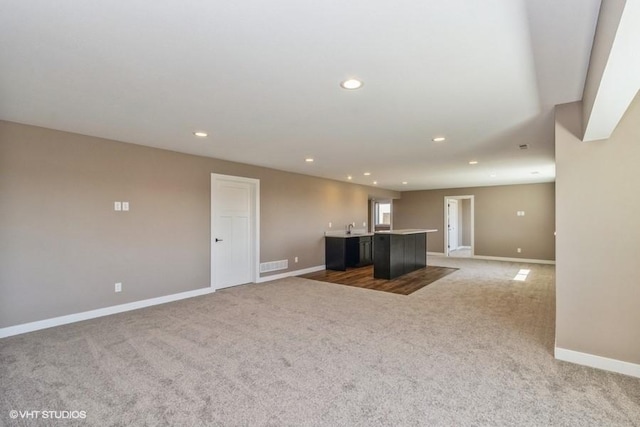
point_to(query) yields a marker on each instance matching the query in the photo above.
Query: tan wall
(465, 222)
(598, 220)
(62, 246)
(498, 231)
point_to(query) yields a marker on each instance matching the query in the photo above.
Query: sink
(358, 232)
(354, 232)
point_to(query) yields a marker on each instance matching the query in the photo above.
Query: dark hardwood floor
(363, 278)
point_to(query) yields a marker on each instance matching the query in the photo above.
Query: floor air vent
(266, 267)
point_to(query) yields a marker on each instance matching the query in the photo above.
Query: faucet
(349, 227)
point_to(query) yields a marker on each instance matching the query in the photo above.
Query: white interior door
(452, 224)
(233, 230)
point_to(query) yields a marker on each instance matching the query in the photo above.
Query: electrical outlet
(118, 287)
(329, 224)
(295, 259)
(519, 250)
(364, 223)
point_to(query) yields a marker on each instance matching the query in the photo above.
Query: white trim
(598, 362)
(435, 253)
(100, 312)
(527, 260)
(291, 273)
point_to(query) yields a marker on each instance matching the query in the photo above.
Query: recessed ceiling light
(473, 162)
(404, 182)
(351, 84)
(349, 177)
(200, 134)
(493, 175)
(367, 173)
(439, 139)
(308, 160)
(375, 182)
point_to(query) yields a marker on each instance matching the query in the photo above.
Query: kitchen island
(398, 252)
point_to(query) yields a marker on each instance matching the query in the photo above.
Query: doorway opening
(459, 220)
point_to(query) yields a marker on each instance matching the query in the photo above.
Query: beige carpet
(472, 349)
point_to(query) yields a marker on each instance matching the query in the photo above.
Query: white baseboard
(100, 312)
(290, 273)
(527, 260)
(497, 258)
(598, 362)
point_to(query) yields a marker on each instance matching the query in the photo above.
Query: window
(383, 213)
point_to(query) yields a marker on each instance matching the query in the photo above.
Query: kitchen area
(393, 253)
(375, 256)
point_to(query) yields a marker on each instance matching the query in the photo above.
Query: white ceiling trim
(614, 74)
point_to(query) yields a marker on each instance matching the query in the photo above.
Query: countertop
(362, 232)
(408, 231)
(344, 235)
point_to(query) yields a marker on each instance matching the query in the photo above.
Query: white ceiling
(263, 79)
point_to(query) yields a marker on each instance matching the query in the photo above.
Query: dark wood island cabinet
(399, 252)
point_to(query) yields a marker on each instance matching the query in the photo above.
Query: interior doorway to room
(458, 226)
(234, 230)
(381, 214)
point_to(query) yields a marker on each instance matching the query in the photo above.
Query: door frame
(254, 234)
(471, 226)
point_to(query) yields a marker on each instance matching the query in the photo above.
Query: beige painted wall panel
(63, 247)
(465, 222)
(498, 231)
(598, 219)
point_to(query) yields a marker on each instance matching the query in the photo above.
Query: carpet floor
(474, 348)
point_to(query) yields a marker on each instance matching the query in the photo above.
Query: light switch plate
(125, 206)
(117, 206)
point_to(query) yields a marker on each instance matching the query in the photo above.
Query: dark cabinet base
(342, 253)
(398, 254)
